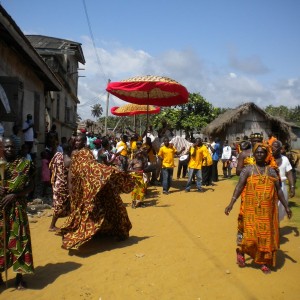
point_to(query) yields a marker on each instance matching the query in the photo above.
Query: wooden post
(107, 105)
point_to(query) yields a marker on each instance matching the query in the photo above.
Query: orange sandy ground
(181, 246)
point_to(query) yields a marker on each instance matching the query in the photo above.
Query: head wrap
(262, 145)
(270, 160)
(97, 142)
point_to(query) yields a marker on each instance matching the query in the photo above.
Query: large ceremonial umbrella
(149, 90)
(134, 109)
(131, 109)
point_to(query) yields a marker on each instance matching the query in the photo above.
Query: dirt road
(182, 246)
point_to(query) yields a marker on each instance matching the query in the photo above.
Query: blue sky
(231, 52)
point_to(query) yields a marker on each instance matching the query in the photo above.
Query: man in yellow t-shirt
(198, 153)
(166, 155)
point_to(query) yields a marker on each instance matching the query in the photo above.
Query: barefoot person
(17, 183)
(137, 167)
(96, 205)
(59, 166)
(260, 237)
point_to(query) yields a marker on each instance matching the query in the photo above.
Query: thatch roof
(220, 124)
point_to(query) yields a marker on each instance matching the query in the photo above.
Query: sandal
(265, 269)
(240, 259)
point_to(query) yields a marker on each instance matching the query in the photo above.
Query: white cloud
(249, 65)
(220, 86)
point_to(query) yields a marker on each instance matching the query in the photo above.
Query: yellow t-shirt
(133, 146)
(207, 158)
(124, 150)
(196, 157)
(167, 155)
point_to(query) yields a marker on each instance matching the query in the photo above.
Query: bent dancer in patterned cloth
(59, 166)
(17, 184)
(260, 237)
(96, 205)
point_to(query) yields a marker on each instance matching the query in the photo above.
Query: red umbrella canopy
(154, 90)
(134, 109)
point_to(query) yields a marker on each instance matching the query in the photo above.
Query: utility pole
(107, 105)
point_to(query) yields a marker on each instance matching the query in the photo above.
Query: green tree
(295, 115)
(97, 110)
(190, 117)
(279, 111)
(285, 113)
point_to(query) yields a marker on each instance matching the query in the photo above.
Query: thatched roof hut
(246, 119)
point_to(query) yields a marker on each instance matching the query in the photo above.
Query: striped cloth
(180, 142)
(261, 229)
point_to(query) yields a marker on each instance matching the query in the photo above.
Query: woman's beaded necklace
(262, 180)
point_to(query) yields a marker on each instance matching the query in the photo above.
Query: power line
(93, 40)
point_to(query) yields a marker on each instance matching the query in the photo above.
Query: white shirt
(284, 167)
(226, 152)
(95, 153)
(28, 134)
(211, 145)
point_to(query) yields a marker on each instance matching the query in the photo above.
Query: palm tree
(97, 110)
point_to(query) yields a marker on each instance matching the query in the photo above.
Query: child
(45, 172)
(137, 166)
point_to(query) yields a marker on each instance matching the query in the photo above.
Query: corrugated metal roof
(47, 42)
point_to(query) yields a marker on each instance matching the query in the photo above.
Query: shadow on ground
(45, 275)
(100, 244)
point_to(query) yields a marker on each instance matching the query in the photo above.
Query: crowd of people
(88, 173)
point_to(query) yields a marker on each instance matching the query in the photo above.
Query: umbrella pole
(106, 115)
(147, 116)
(134, 122)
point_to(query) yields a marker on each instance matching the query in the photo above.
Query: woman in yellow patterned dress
(137, 167)
(260, 236)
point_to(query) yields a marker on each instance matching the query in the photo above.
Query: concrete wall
(30, 92)
(67, 99)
